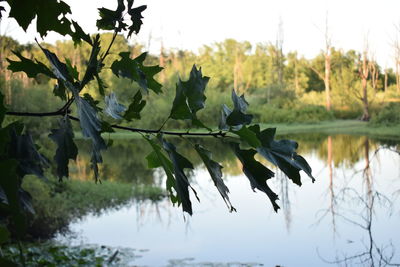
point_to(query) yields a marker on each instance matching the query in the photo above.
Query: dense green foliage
(389, 115)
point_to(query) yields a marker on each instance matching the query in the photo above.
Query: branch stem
(150, 131)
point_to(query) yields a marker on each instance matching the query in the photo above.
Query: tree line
(263, 72)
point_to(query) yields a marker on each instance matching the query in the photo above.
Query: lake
(349, 215)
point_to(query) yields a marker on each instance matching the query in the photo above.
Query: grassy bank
(354, 127)
(58, 204)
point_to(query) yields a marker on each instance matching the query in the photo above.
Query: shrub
(309, 113)
(388, 115)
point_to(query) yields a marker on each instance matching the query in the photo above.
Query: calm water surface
(357, 185)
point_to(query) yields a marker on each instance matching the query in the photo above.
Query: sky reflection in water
(317, 222)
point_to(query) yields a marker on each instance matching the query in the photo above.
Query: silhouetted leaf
(72, 70)
(257, 173)
(106, 128)
(100, 83)
(136, 18)
(79, 34)
(93, 66)
(23, 149)
(224, 114)
(60, 90)
(215, 170)
(283, 154)
(248, 136)
(190, 98)
(113, 108)
(135, 107)
(157, 159)
(238, 117)
(59, 69)
(134, 70)
(12, 198)
(180, 163)
(31, 68)
(51, 18)
(94, 103)
(109, 18)
(90, 123)
(66, 148)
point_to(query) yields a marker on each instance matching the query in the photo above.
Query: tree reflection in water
(359, 208)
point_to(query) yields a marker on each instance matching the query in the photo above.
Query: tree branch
(62, 112)
(139, 130)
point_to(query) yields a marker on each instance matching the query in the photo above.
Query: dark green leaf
(31, 68)
(215, 170)
(109, 18)
(106, 128)
(24, 150)
(257, 173)
(66, 148)
(113, 108)
(79, 34)
(136, 18)
(135, 107)
(72, 70)
(283, 154)
(180, 163)
(93, 66)
(248, 136)
(10, 188)
(156, 159)
(60, 90)
(94, 103)
(90, 123)
(238, 116)
(224, 114)
(51, 18)
(189, 97)
(60, 70)
(134, 70)
(100, 83)
(180, 109)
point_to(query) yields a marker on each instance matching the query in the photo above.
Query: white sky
(189, 24)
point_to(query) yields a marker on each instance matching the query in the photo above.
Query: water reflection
(349, 216)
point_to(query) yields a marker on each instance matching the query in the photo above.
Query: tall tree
(327, 70)
(363, 71)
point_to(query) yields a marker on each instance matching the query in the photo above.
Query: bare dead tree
(374, 72)
(279, 53)
(326, 76)
(363, 71)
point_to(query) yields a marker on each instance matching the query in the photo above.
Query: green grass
(354, 127)
(57, 204)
